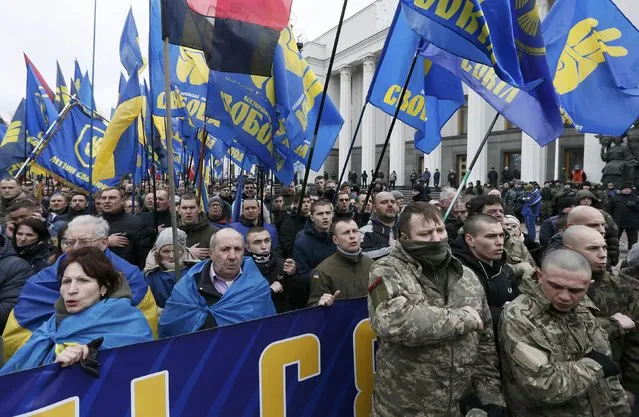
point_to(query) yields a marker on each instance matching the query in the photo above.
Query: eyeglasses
(70, 243)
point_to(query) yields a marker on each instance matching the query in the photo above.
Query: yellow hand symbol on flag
(583, 52)
(191, 67)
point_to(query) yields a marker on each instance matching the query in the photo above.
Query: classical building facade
(360, 46)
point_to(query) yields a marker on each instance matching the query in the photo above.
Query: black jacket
(295, 287)
(199, 232)
(279, 218)
(37, 255)
(140, 241)
(499, 280)
(71, 214)
(211, 296)
(164, 219)
(376, 238)
(349, 215)
(14, 272)
(493, 177)
(547, 230)
(624, 209)
(287, 232)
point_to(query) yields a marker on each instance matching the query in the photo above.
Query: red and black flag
(237, 36)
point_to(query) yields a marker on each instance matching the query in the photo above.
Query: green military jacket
(432, 351)
(612, 294)
(340, 272)
(544, 368)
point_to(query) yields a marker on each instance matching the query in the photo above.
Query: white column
(533, 160)
(592, 160)
(433, 161)
(398, 153)
(368, 123)
(345, 75)
(480, 115)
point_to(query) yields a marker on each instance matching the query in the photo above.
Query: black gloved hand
(609, 366)
(494, 410)
(91, 364)
(468, 403)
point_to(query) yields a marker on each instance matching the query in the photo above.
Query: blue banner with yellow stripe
(316, 362)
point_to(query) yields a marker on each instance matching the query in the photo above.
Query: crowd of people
(475, 314)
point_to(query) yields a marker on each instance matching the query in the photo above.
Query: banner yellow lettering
(150, 395)
(363, 361)
(66, 408)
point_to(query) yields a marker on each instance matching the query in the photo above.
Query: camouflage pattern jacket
(612, 294)
(544, 368)
(432, 352)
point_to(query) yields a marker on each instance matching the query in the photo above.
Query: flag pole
(200, 164)
(321, 109)
(392, 125)
(169, 147)
(90, 190)
(350, 148)
(471, 166)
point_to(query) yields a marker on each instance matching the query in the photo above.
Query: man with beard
(617, 305)
(314, 243)
(128, 238)
(379, 235)
(197, 228)
(288, 289)
(344, 274)
(9, 192)
(78, 207)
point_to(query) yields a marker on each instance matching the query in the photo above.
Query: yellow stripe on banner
(125, 114)
(150, 395)
(66, 408)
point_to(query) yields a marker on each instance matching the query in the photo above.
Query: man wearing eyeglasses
(37, 301)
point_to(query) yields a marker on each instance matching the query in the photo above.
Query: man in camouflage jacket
(555, 358)
(436, 353)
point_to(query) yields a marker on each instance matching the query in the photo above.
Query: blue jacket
(162, 283)
(311, 248)
(532, 204)
(243, 227)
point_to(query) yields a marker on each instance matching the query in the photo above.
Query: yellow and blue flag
(67, 152)
(40, 112)
(248, 110)
(130, 54)
(76, 82)
(12, 147)
(592, 52)
(61, 90)
(433, 94)
(189, 74)
(503, 34)
(117, 153)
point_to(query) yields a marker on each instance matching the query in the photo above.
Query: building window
(462, 121)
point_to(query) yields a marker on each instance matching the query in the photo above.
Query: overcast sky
(47, 30)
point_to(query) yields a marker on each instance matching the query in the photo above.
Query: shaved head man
(587, 216)
(589, 243)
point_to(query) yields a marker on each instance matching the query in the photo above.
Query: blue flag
(85, 95)
(189, 74)
(40, 112)
(76, 83)
(67, 152)
(503, 34)
(592, 52)
(116, 155)
(536, 111)
(12, 146)
(61, 90)
(433, 94)
(248, 111)
(130, 54)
